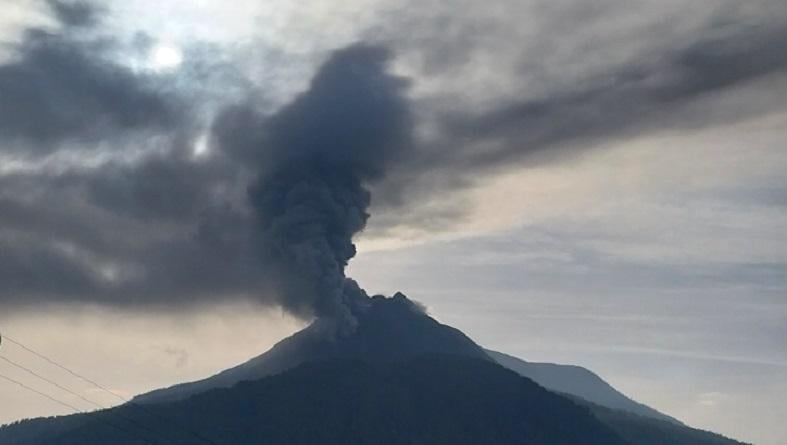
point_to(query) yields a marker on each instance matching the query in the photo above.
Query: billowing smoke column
(319, 155)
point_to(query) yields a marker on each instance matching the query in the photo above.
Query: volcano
(397, 329)
(400, 377)
(389, 330)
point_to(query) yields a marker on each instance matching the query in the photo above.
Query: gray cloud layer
(156, 224)
(62, 88)
(76, 13)
(669, 89)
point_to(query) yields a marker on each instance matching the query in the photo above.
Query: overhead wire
(73, 408)
(42, 394)
(83, 398)
(54, 363)
(51, 382)
(97, 385)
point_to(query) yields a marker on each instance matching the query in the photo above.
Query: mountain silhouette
(394, 329)
(391, 329)
(577, 381)
(428, 400)
(401, 377)
(434, 399)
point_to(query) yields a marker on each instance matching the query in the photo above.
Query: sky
(594, 184)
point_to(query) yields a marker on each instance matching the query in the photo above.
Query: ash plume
(317, 156)
(140, 189)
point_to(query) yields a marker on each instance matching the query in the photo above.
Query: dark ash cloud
(171, 230)
(317, 155)
(271, 213)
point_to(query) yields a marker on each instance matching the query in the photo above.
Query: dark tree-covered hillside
(430, 400)
(437, 400)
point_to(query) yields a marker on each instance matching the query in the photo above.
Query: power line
(53, 383)
(72, 407)
(59, 402)
(75, 394)
(102, 388)
(33, 390)
(54, 363)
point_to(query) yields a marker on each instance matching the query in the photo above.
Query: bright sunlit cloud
(201, 147)
(164, 57)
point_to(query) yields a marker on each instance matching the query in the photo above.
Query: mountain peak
(389, 329)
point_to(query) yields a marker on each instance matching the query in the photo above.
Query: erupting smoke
(113, 195)
(319, 154)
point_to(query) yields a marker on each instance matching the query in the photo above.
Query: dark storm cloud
(642, 96)
(62, 87)
(160, 188)
(172, 230)
(54, 276)
(160, 230)
(271, 213)
(672, 88)
(62, 249)
(64, 246)
(74, 13)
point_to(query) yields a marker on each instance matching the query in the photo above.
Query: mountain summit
(400, 377)
(388, 330)
(396, 329)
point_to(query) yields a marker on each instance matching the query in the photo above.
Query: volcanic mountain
(389, 330)
(579, 382)
(396, 329)
(400, 377)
